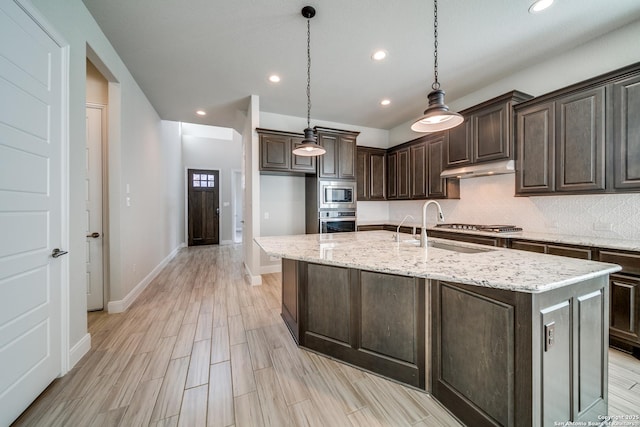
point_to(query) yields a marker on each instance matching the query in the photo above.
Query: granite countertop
(600, 242)
(493, 267)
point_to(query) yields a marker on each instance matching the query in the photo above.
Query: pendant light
(309, 147)
(437, 116)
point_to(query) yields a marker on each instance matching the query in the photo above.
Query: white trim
(227, 242)
(123, 304)
(78, 351)
(268, 269)
(250, 278)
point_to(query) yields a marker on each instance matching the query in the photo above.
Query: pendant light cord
(436, 84)
(308, 72)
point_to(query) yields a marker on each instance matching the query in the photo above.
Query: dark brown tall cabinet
(371, 173)
(339, 162)
(581, 139)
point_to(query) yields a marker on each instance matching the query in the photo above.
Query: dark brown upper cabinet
(535, 170)
(485, 135)
(626, 133)
(581, 139)
(580, 133)
(371, 174)
(413, 170)
(339, 162)
(276, 154)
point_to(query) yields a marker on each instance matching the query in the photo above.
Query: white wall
(224, 155)
(143, 153)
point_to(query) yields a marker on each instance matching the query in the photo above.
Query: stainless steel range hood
(482, 169)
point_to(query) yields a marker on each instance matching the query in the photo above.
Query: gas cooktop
(477, 227)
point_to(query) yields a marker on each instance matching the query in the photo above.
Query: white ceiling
(213, 54)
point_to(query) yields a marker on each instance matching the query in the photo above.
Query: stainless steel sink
(456, 248)
(449, 246)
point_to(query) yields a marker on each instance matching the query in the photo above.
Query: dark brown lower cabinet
(371, 320)
(492, 357)
(503, 358)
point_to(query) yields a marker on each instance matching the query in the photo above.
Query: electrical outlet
(266, 215)
(549, 335)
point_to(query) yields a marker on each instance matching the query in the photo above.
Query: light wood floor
(201, 348)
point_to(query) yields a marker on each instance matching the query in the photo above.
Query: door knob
(94, 235)
(58, 253)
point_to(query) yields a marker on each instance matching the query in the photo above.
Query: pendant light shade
(437, 116)
(309, 146)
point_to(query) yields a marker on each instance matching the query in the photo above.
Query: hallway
(201, 348)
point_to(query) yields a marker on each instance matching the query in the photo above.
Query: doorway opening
(96, 187)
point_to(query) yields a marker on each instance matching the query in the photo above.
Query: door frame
(65, 303)
(235, 182)
(186, 203)
(104, 153)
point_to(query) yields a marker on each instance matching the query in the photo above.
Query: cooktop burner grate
(493, 228)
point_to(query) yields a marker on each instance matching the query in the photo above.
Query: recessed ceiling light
(274, 78)
(385, 102)
(539, 5)
(379, 55)
(201, 113)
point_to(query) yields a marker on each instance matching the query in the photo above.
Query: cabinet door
(347, 157)
(418, 171)
(392, 175)
(535, 149)
(458, 145)
(490, 129)
(403, 174)
(377, 176)
(626, 131)
(328, 163)
(275, 153)
(301, 163)
(435, 149)
(363, 175)
(624, 309)
(580, 140)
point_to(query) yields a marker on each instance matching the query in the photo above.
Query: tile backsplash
(490, 200)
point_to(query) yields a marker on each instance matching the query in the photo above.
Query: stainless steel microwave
(337, 194)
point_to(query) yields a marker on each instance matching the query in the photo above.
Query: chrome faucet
(423, 231)
(402, 222)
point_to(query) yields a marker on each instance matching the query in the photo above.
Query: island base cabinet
(503, 358)
(371, 320)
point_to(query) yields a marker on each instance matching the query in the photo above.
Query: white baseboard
(81, 348)
(226, 242)
(250, 278)
(123, 304)
(274, 268)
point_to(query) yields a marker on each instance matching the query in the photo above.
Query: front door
(31, 210)
(204, 210)
(93, 216)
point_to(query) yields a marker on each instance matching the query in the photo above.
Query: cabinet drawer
(582, 253)
(528, 246)
(630, 263)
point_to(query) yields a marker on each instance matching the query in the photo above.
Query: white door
(31, 191)
(93, 216)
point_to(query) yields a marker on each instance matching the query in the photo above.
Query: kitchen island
(498, 336)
